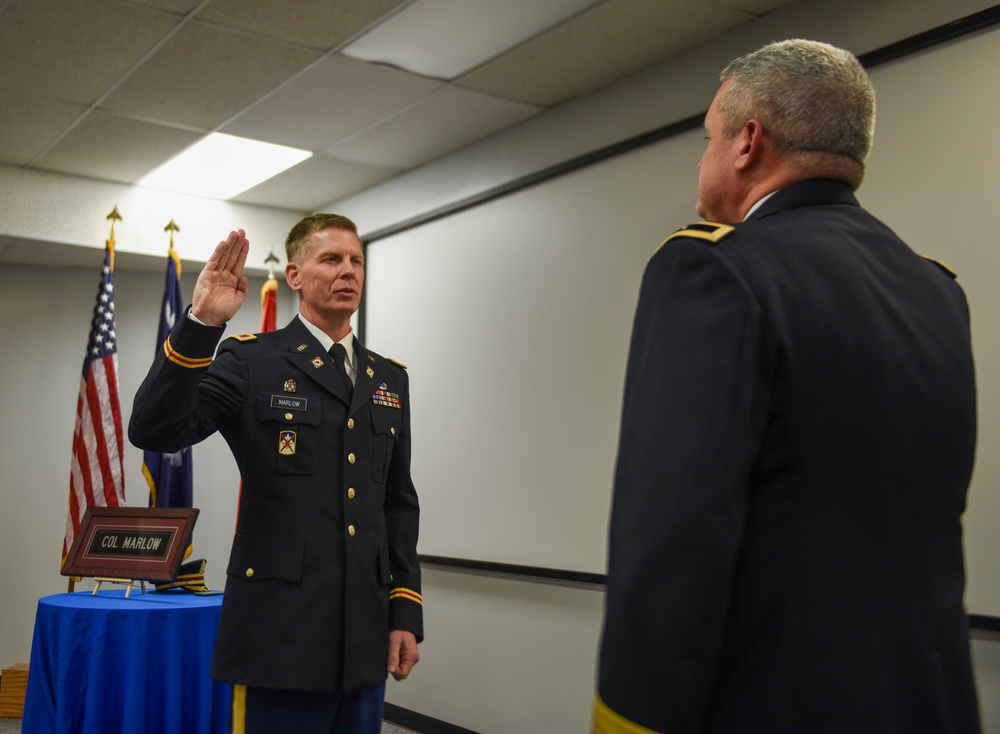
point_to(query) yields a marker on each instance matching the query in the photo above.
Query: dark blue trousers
(272, 711)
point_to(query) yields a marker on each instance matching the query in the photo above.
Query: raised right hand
(222, 287)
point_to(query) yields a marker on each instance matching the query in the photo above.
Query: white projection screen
(514, 317)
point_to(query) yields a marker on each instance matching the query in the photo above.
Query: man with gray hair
(798, 434)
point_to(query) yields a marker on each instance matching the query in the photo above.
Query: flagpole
(269, 296)
(170, 476)
(270, 260)
(114, 217)
(172, 228)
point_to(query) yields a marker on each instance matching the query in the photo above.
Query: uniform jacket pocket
(288, 434)
(262, 557)
(386, 424)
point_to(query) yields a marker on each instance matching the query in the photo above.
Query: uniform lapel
(367, 379)
(308, 355)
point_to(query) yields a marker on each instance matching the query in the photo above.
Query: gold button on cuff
(288, 416)
(392, 431)
(351, 458)
(350, 493)
(249, 572)
(350, 423)
(350, 530)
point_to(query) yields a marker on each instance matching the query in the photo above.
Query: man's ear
(751, 144)
(292, 275)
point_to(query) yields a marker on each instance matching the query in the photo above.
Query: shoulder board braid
(944, 268)
(708, 231)
(244, 337)
(398, 364)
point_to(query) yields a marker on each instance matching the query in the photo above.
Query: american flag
(169, 476)
(96, 473)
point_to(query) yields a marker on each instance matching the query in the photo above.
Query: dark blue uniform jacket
(797, 439)
(324, 561)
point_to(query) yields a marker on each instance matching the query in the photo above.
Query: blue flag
(169, 475)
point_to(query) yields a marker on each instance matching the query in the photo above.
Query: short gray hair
(811, 97)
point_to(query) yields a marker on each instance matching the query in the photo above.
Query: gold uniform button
(249, 572)
(350, 530)
(392, 431)
(288, 416)
(350, 493)
(351, 458)
(350, 423)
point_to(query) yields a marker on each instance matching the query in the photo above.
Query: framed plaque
(140, 543)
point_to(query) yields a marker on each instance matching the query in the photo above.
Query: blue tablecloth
(106, 664)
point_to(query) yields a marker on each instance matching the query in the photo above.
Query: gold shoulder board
(398, 364)
(245, 337)
(708, 231)
(947, 271)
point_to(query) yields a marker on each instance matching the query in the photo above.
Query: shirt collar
(327, 342)
(758, 205)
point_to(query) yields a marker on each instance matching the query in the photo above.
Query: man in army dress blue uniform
(797, 438)
(323, 591)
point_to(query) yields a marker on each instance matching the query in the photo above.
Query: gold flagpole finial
(114, 217)
(271, 258)
(171, 228)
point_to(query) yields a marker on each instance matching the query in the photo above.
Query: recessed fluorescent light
(221, 166)
(421, 38)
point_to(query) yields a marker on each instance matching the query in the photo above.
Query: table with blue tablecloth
(105, 663)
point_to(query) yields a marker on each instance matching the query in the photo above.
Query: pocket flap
(386, 421)
(289, 409)
(260, 557)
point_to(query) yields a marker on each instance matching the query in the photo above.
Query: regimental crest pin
(286, 443)
(318, 362)
(370, 372)
(290, 386)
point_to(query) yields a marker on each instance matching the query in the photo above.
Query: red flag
(97, 477)
(269, 305)
(268, 322)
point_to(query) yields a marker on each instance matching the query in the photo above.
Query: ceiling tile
(616, 38)
(315, 183)
(422, 37)
(439, 124)
(758, 8)
(29, 124)
(318, 24)
(336, 98)
(74, 51)
(115, 148)
(177, 7)
(203, 76)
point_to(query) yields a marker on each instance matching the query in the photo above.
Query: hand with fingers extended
(222, 287)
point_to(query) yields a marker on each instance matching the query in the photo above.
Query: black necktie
(339, 352)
